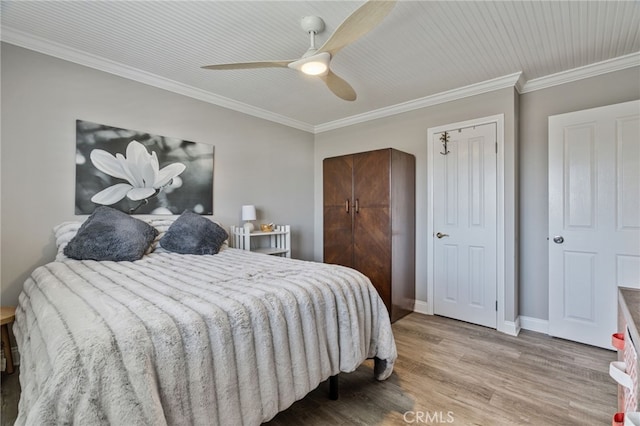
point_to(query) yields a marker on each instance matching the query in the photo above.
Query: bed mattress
(232, 338)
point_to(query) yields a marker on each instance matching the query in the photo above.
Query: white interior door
(594, 219)
(465, 224)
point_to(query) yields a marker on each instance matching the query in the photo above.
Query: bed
(229, 338)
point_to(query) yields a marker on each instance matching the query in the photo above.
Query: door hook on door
(444, 138)
(440, 235)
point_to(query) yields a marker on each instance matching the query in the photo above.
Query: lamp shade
(248, 212)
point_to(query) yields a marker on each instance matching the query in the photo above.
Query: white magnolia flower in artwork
(139, 168)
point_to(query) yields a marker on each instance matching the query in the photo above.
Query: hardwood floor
(9, 397)
(451, 372)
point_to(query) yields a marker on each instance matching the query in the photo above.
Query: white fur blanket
(173, 339)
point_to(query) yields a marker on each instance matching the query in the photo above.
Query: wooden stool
(7, 315)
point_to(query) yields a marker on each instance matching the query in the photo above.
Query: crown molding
(575, 74)
(21, 39)
(451, 95)
(519, 84)
(516, 80)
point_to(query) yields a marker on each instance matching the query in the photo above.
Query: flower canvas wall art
(141, 173)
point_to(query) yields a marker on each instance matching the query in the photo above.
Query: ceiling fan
(316, 62)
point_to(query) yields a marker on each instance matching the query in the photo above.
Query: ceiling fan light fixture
(314, 68)
(313, 65)
(361, 21)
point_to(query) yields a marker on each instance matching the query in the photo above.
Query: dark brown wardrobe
(369, 221)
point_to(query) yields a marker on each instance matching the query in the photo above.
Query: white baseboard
(534, 324)
(511, 328)
(422, 308)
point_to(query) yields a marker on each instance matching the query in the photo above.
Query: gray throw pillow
(193, 234)
(110, 234)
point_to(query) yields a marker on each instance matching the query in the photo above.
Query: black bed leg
(333, 387)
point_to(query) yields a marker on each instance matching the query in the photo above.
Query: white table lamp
(248, 214)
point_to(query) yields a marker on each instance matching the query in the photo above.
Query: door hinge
(496, 306)
(496, 147)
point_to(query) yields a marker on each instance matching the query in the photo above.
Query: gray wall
(528, 114)
(256, 161)
(408, 132)
(535, 108)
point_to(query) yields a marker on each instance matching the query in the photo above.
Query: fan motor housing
(313, 24)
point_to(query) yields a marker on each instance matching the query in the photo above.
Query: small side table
(7, 315)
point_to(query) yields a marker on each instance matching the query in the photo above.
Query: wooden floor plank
(477, 375)
(452, 370)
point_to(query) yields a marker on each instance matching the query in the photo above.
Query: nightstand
(276, 242)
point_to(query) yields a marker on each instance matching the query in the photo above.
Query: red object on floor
(618, 419)
(617, 341)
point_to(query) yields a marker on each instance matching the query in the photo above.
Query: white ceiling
(423, 50)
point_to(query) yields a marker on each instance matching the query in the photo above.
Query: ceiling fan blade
(249, 65)
(339, 87)
(360, 22)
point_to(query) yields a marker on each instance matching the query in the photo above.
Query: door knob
(558, 239)
(440, 235)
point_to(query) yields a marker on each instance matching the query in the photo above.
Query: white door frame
(503, 258)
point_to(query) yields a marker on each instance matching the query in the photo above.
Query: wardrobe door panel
(372, 248)
(338, 210)
(338, 237)
(337, 180)
(371, 178)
